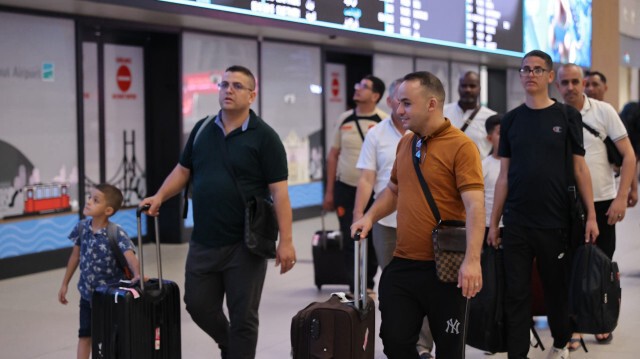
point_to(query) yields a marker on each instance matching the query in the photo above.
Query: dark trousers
(232, 270)
(607, 238)
(344, 197)
(550, 248)
(409, 290)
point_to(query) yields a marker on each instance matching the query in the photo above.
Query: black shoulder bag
(260, 222)
(449, 244)
(613, 155)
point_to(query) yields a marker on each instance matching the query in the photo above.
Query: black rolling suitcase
(137, 321)
(328, 257)
(340, 328)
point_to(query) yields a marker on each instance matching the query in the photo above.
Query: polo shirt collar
(245, 124)
(440, 129)
(586, 106)
(393, 127)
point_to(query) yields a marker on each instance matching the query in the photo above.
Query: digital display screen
(485, 25)
(561, 28)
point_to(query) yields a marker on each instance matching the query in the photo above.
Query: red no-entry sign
(123, 77)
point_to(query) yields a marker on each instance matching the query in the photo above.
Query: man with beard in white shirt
(467, 114)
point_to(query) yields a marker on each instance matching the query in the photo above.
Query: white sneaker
(558, 353)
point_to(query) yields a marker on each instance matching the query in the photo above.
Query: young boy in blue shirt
(92, 252)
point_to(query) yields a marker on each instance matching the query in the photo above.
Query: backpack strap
(374, 118)
(80, 227)
(112, 235)
(204, 124)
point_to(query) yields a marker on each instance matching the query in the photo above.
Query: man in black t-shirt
(630, 115)
(532, 197)
(218, 265)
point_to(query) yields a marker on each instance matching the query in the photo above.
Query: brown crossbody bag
(450, 243)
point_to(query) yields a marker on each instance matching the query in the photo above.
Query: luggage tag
(342, 296)
(134, 292)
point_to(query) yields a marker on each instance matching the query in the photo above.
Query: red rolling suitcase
(328, 257)
(340, 328)
(137, 321)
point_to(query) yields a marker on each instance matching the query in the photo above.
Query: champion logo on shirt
(557, 129)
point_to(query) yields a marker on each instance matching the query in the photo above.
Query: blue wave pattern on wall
(306, 195)
(302, 195)
(50, 233)
(126, 218)
(36, 235)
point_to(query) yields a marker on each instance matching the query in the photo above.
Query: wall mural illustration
(24, 193)
(129, 177)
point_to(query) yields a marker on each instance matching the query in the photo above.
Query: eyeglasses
(361, 87)
(236, 86)
(538, 71)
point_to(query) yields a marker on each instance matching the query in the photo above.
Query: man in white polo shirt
(467, 114)
(375, 162)
(610, 204)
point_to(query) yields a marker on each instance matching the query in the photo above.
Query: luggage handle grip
(142, 209)
(360, 272)
(158, 257)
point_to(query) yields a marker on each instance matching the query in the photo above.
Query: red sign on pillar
(335, 87)
(123, 78)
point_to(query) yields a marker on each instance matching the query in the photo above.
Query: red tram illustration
(46, 198)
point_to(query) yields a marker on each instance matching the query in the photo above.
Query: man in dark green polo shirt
(218, 263)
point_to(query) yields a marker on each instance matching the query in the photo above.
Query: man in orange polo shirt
(450, 163)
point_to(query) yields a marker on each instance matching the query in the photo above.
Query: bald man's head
(469, 90)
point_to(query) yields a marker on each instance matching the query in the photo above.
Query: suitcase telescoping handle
(141, 260)
(360, 271)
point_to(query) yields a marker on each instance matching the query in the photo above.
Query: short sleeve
(575, 130)
(504, 147)
(613, 124)
(337, 137)
(367, 159)
(468, 168)
(74, 236)
(186, 159)
(485, 165)
(394, 170)
(124, 242)
(274, 157)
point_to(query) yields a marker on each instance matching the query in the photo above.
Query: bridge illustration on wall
(129, 177)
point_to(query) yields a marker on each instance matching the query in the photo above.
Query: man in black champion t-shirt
(531, 196)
